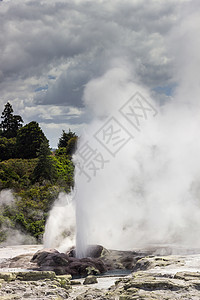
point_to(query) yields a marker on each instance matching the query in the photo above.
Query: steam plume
(148, 192)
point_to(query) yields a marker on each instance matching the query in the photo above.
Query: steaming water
(149, 191)
(60, 226)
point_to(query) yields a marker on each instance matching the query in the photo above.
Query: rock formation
(61, 263)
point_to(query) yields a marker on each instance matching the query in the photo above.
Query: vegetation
(10, 123)
(34, 174)
(45, 168)
(67, 143)
(7, 148)
(65, 138)
(29, 139)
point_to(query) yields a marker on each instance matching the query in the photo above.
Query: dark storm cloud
(36, 36)
(128, 31)
(69, 87)
(61, 45)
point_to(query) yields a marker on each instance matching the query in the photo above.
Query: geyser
(138, 182)
(147, 191)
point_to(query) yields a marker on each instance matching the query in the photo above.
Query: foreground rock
(140, 286)
(34, 285)
(61, 263)
(153, 277)
(99, 261)
(157, 280)
(143, 285)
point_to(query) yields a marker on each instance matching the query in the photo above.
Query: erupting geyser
(138, 163)
(149, 191)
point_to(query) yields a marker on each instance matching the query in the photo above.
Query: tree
(65, 137)
(72, 145)
(11, 123)
(29, 139)
(45, 169)
(67, 143)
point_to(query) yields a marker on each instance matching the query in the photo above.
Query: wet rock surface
(143, 285)
(61, 263)
(152, 277)
(33, 285)
(99, 261)
(151, 285)
(32, 290)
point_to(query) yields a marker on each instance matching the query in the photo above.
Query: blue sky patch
(167, 90)
(42, 88)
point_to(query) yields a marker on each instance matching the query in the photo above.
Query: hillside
(31, 177)
(24, 205)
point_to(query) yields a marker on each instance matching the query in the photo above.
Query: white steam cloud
(148, 192)
(60, 226)
(12, 236)
(6, 197)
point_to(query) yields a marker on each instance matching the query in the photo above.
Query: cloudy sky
(51, 49)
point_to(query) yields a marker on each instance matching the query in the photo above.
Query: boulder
(61, 263)
(91, 279)
(93, 251)
(40, 255)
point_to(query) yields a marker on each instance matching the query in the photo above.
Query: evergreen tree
(11, 123)
(45, 169)
(29, 139)
(65, 137)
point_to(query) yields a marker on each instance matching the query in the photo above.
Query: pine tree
(65, 137)
(67, 143)
(45, 169)
(11, 123)
(29, 139)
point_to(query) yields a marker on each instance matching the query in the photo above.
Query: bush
(65, 171)
(16, 173)
(7, 148)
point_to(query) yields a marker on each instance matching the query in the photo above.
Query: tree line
(34, 173)
(18, 141)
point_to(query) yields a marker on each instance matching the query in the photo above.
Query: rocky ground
(153, 276)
